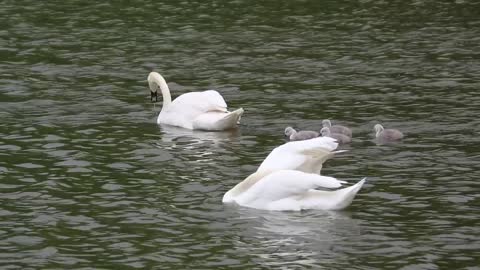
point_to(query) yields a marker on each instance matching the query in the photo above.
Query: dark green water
(88, 180)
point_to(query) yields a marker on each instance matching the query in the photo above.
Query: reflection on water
(292, 239)
(171, 134)
(88, 179)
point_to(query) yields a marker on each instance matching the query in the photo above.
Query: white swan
(205, 110)
(287, 178)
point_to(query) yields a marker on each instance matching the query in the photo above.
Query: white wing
(330, 200)
(215, 120)
(306, 156)
(185, 108)
(199, 102)
(283, 184)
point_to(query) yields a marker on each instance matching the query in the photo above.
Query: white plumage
(205, 110)
(287, 178)
(307, 156)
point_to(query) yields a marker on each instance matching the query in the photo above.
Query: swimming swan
(287, 178)
(205, 110)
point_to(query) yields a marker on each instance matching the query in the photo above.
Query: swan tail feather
(215, 120)
(330, 200)
(231, 119)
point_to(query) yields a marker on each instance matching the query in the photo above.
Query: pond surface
(88, 180)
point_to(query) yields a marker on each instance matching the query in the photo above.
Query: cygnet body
(341, 138)
(387, 134)
(301, 135)
(337, 129)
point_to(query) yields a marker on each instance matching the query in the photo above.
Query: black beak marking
(153, 95)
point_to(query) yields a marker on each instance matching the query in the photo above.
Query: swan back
(204, 101)
(244, 186)
(186, 107)
(291, 190)
(281, 184)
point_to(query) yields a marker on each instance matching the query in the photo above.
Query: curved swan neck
(155, 78)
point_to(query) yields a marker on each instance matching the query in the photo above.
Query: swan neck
(160, 81)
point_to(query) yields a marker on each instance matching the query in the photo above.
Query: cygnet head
(378, 128)
(289, 131)
(325, 132)
(326, 123)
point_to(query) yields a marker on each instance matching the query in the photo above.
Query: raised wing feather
(306, 156)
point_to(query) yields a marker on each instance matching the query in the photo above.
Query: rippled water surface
(88, 180)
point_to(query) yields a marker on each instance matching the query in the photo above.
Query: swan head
(378, 128)
(325, 132)
(289, 131)
(155, 82)
(153, 86)
(326, 123)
